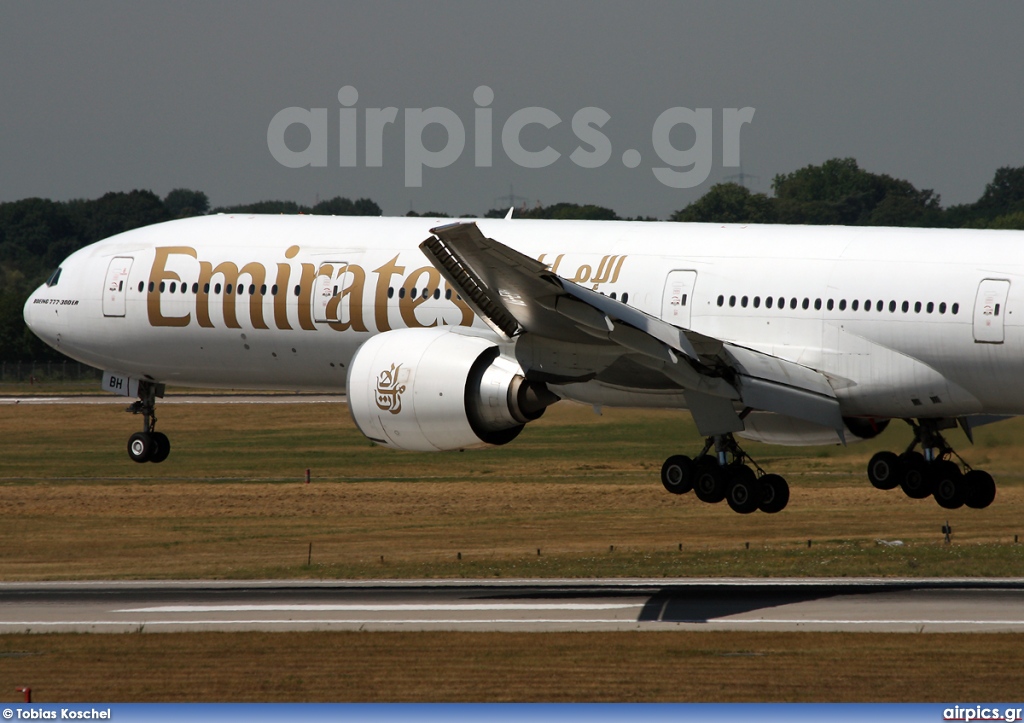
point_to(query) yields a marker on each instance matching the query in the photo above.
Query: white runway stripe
(381, 607)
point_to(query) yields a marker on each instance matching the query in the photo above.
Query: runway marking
(501, 621)
(383, 607)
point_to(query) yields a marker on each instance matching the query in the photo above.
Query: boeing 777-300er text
(795, 335)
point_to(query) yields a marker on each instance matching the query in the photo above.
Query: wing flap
(519, 296)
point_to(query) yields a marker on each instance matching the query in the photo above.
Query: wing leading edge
(568, 333)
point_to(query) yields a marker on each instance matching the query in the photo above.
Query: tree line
(37, 234)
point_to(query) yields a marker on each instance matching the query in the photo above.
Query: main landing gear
(148, 445)
(932, 471)
(722, 475)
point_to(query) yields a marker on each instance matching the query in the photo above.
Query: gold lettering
(467, 313)
(305, 300)
(582, 273)
(231, 273)
(284, 272)
(407, 304)
(604, 270)
(354, 292)
(203, 297)
(380, 297)
(618, 268)
(158, 274)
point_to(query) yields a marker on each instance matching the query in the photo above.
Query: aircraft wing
(567, 333)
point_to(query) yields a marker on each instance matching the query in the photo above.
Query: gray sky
(105, 96)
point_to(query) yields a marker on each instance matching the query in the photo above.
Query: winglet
(508, 216)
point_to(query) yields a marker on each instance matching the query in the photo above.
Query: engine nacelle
(435, 389)
(788, 431)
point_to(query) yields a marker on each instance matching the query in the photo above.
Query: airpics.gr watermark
(683, 168)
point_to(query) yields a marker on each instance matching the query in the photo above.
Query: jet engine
(439, 389)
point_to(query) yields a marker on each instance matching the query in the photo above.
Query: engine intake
(440, 389)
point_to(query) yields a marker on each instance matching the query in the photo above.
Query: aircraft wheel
(950, 489)
(917, 480)
(774, 493)
(161, 447)
(744, 491)
(884, 470)
(677, 474)
(981, 489)
(709, 480)
(140, 447)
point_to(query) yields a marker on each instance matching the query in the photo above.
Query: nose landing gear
(148, 445)
(723, 475)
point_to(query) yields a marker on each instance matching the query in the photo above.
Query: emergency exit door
(678, 299)
(990, 310)
(115, 287)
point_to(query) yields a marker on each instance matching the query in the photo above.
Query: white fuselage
(903, 322)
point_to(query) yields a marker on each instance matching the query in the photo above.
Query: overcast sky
(112, 96)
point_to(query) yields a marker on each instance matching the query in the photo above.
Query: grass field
(581, 489)
(472, 667)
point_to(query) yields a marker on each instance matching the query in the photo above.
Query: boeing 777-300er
(794, 335)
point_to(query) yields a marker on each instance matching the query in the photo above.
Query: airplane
(792, 335)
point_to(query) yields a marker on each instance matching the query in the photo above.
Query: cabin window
(906, 307)
(942, 307)
(437, 294)
(721, 299)
(206, 288)
(769, 301)
(806, 304)
(195, 287)
(273, 290)
(931, 307)
(817, 304)
(391, 292)
(955, 308)
(757, 302)
(830, 304)
(216, 289)
(625, 297)
(401, 293)
(297, 290)
(252, 289)
(448, 294)
(842, 304)
(743, 302)
(732, 301)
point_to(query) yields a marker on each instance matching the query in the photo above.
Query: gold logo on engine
(389, 391)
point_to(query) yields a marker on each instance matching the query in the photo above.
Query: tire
(885, 471)
(709, 480)
(677, 474)
(140, 447)
(161, 447)
(743, 492)
(774, 494)
(950, 489)
(917, 481)
(981, 489)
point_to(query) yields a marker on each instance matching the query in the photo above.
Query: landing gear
(148, 445)
(932, 471)
(722, 474)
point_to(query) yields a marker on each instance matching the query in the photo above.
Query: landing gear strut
(720, 473)
(932, 471)
(148, 445)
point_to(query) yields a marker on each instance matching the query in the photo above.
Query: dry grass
(397, 667)
(230, 502)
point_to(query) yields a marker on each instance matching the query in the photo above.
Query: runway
(213, 398)
(868, 605)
